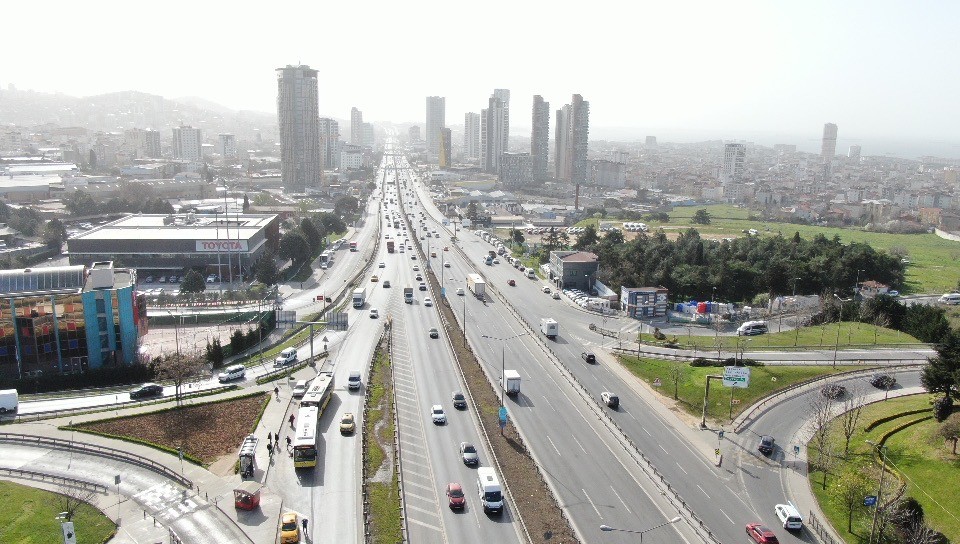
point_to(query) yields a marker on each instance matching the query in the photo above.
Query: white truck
(359, 297)
(549, 327)
(476, 285)
(489, 490)
(510, 382)
(8, 401)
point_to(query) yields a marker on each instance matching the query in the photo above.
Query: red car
(761, 534)
(512, 283)
(458, 499)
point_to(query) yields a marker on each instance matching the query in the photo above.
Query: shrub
(942, 408)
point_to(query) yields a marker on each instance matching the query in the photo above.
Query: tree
(517, 236)
(328, 222)
(851, 486)
(25, 220)
(701, 217)
(676, 374)
(92, 159)
(950, 430)
(852, 407)
(587, 238)
(941, 373)
(54, 233)
(179, 369)
(215, 355)
(294, 246)
(193, 282)
(266, 270)
(70, 497)
(312, 234)
(473, 212)
(246, 203)
(80, 203)
(820, 417)
(613, 237)
(346, 205)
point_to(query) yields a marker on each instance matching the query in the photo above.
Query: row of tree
(82, 204)
(733, 269)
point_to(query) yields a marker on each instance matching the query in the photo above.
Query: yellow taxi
(374, 278)
(289, 529)
(348, 423)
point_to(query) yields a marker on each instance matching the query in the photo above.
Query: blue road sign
(503, 415)
(870, 500)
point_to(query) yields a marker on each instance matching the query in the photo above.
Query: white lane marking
(725, 515)
(424, 524)
(681, 468)
(578, 443)
(646, 431)
(701, 489)
(591, 503)
(424, 510)
(663, 448)
(554, 446)
(621, 499)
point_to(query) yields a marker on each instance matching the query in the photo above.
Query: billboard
(213, 246)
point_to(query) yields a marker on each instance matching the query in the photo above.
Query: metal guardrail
(820, 530)
(34, 475)
(100, 451)
(807, 362)
(748, 415)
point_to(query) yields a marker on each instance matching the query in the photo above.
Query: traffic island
(381, 486)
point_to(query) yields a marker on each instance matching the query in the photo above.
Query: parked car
(146, 390)
(767, 444)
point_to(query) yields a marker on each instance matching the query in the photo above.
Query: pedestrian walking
(270, 449)
(269, 438)
(304, 527)
(276, 391)
(276, 440)
(288, 443)
(292, 417)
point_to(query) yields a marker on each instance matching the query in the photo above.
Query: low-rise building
(574, 269)
(644, 302)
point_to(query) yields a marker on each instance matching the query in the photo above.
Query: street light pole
(609, 528)
(503, 359)
(876, 509)
(839, 319)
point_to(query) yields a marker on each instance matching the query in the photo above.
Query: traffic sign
(503, 415)
(716, 451)
(720, 435)
(657, 382)
(736, 376)
(870, 500)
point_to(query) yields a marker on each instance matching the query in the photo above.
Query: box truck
(408, 295)
(8, 400)
(359, 297)
(476, 285)
(511, 382)
(549, 327)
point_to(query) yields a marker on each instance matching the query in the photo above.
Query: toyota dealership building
(159, 243)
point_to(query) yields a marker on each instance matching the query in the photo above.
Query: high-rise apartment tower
(540, 138)
(436, 120)
(298, 115)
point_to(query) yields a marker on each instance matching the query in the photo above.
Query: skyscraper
(414, 134)
(298, 113)
(854, 153)
(828, 148)
(186, 143)
(356, 126)
(329, 143)
(436, 120)
(445, 157)
(540, 137)
(227, 145)
(734, 157)
(573, 139)
(496, 130)
(471, 135)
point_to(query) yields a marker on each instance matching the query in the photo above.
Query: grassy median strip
(380, 476)
(29, 516)
(820, 336)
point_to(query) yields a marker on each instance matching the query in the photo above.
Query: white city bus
(305, 441)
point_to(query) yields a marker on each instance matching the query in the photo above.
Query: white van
(286, 357)
(789, 516)
(8, 400)
(489, 490)
(300, 389)
(751, 328)
(233, 372)
(950, 298)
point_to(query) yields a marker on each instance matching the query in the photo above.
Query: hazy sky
(877, 69)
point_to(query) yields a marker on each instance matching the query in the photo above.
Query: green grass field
(29, 518)
(935, 262)
(930, 469)
(850, 335)
(764, 380)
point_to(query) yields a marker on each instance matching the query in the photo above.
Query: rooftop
(148, 227)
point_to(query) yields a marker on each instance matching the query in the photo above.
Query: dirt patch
(206, 431)
(541, 513)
